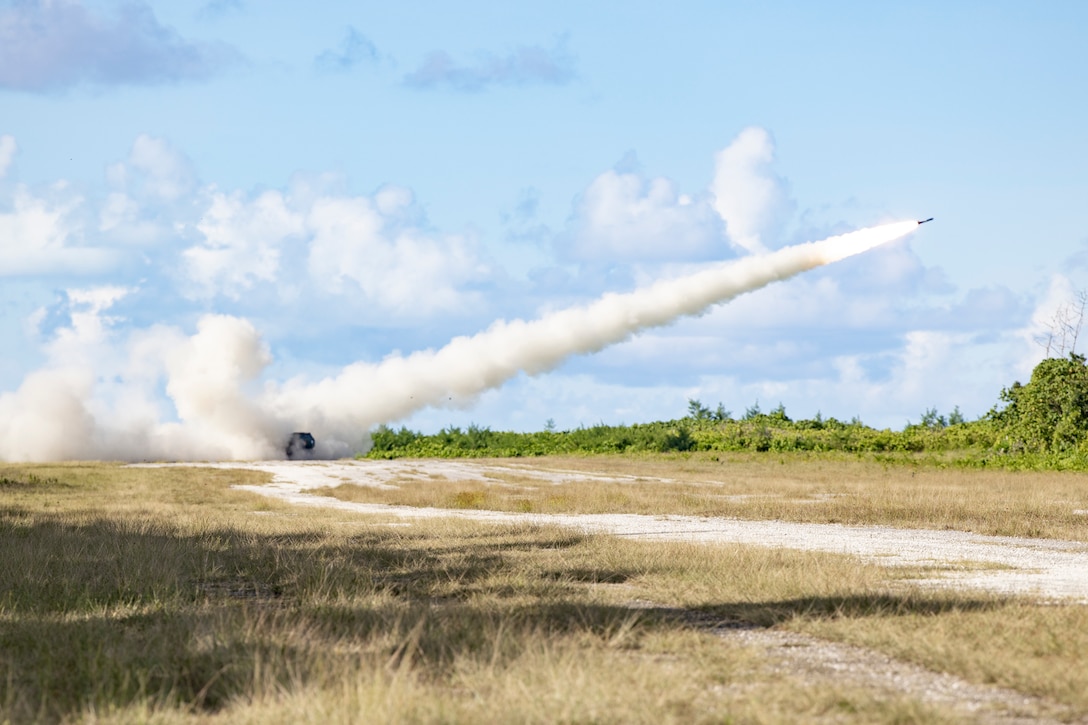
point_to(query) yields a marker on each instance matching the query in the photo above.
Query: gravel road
(1038, 567)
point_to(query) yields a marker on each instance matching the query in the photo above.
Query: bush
(1050, 413)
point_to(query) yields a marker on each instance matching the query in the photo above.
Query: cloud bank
(54, 44)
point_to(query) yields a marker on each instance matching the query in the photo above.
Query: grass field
(162, 595)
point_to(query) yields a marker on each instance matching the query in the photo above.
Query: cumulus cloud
(163, 171)
(525, 65)
(623, 217)
(353, 50)
(154, 177)
(362, 245)
(7, 153)
(43, 237)
(374, 253)
(123, 219)
(51, 44)
(54, 231)
(242, 245)
(747, 194)
(88, 321)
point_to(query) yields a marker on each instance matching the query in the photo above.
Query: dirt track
(1040, 567)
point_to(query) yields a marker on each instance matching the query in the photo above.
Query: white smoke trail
(339, 409)
(61, 412)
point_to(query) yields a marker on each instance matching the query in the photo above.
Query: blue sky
(358, 180)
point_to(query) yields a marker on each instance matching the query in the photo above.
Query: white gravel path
(1040, 567)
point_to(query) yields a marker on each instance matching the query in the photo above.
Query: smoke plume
(211, 377)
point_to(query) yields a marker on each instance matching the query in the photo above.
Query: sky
(351, 182)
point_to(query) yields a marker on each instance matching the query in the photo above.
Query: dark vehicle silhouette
(300, 445)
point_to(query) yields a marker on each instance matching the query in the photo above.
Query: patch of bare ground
(819, 662)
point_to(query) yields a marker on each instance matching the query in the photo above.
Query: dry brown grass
(161, 595)
(1014, 645)
(796, 487)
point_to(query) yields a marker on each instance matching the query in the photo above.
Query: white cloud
(118, 209)
(622, 217)
(243, 244)
(361, 245)
(123, 219)
(33, 223)
(747, 194)
(86, 308)
(39, 237)
(165, 172)
(372, 253)
(153, 177)
(7, 153)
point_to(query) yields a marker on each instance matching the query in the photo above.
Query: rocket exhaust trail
(364, 395)
(57, 414)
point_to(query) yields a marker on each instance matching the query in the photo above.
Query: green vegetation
(1040, 425)
(773, 431)
(164, 595)
(1050, 413)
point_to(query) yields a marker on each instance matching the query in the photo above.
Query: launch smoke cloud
(210, 376)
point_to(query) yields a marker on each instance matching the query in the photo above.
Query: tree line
(1039, 424)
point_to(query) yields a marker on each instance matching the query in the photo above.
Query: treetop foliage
(1050, 413)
